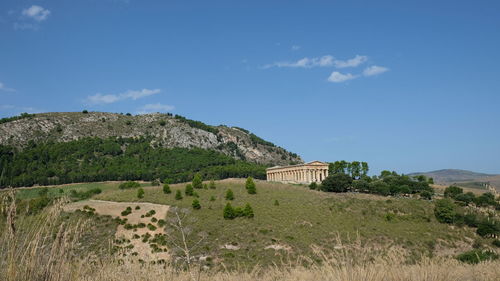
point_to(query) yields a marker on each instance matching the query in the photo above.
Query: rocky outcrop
(165, 130)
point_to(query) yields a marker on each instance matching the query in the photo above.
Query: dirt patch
(137, 246)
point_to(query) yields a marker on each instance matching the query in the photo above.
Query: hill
(449, 176)
(163, 130)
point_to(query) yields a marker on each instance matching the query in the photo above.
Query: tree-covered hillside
(96, 159)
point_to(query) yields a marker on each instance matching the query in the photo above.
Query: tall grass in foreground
(38, 249)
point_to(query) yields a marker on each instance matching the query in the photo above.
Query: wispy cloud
(324, 61)
(295, 47)
(357, 60)
(337, 77)
(36, 12)
(304, 62)
(5, 88)
(154, 107)
(112, 98)
(374, 70)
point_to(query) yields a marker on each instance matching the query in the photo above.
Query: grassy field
(304, 218)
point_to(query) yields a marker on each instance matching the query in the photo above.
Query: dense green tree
(313, 185)
(250, 186)
(452, 191)
(197, 181)
(229, 212)
(427, 195)
(485, 199)
(140, 193)
(196, 204)
(178, 195)
(488, 228)
(189, 190)
(248, 211)
(336, 183)
(229, 195)
(212, 184)
(445, 211)
(166, 189)
(465, 198)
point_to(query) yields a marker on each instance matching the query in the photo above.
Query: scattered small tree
(313, 185)
(189, 190)
(276, 203)
(197, 181)
(196, 204)
(248, 211)
(445, 211)
(427, 195)
(212, 184)
(155, 183)
(250, 186)
(140, 193)
(85, 111)
(178, 195)
(336, 183)
(166, 189)
(452, 191)
(162, 123)
(229, 195)
(229, 212)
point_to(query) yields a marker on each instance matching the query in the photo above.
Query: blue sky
(404, 85)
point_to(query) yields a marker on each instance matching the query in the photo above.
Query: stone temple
(314, 171)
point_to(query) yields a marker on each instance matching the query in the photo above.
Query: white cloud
(357, 60)
(15, 110)
(112, 98)
(337, 77)
(154, 107)
(36, 12)
(4, 88)
(374, 70)
(305, 62)
(24, 25)
(295, 47)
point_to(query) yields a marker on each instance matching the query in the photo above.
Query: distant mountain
(449, 176)
(164, 130)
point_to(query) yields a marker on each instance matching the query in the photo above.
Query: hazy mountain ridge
(453, 175)
(166, 131)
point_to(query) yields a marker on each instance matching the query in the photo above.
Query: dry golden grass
(37, 254)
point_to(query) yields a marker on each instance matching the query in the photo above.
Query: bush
(276, 203)
(137, 207)
(85, 111)
(162, 123)
(178, 195)
(336, 183)
(427, 195)
(189, 190)
(166, 189)
(229, 195)
(126, 212)
(129, 185)
(197, 182)
(140, 193)
(212, 184)
(488, 229)
(452, 191)
(196, 204)
(445, 211)
(229, 212)
(476, 256)
(155, 183)
(313, 185)
(495, 243)
(248, 211)
(212, 198)
(250, 186)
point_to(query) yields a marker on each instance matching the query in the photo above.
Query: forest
(96, 159)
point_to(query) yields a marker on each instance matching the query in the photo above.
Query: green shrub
(452, 191)
(129, 184)
(495, 243)
(229, 212)
(248, 211)
(85, 111)
(445, 211)
(313, 185)
(151, 227)
(196, 204)
(137, 207)
(197, 181)
(276, 203)
(162, 123)
(212, 184)
(162, 223)
(189, 190)
(140, 193)
(427, 195)
(166, 189)
(250, 186)
(155, 183)
(336, 183)
(477, 256)
(178, 195)
(212, 198)
(126, 212)
(229, 195)
(488, 228)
